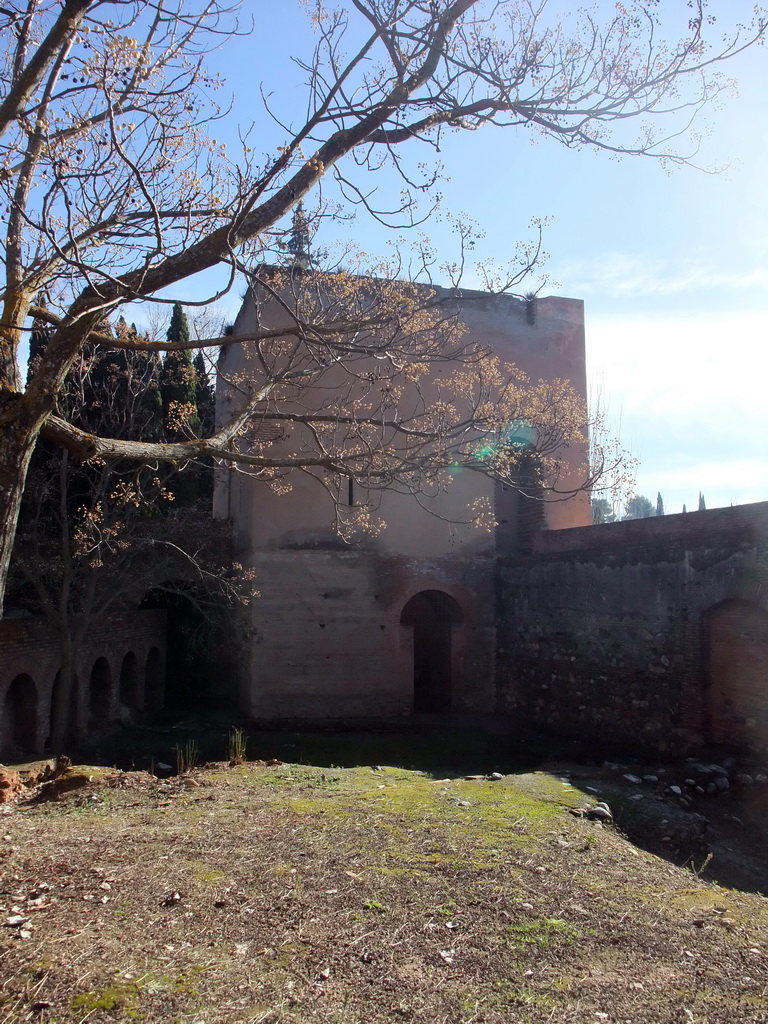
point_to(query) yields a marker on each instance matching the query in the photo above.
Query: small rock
(634, 779)
(650, 778)
(676, 790)
(10, 785)
(744, 779)
(761, 779)
(722, 783)
(600, 813)
(636, 796)
(163, 766)
(495, 776)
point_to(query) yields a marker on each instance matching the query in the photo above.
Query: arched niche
(20, 715)
(100, 694)
(433, 616)
(735, 640)
(129, 681)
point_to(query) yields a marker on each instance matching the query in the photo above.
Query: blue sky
(673, 267)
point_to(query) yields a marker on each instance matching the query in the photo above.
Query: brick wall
(29, 662)
(614, 631)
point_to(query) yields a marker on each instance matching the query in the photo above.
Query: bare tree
(96, 538)
(113, 191)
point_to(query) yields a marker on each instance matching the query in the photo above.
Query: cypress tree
(702, 503)
(205, 396)
(178, 380)
(659, 504)
(178, 329)
(298, 242)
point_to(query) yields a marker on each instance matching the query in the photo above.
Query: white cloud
(689, 397)
(620, 275)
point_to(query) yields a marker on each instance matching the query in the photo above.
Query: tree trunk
(16, 447)
(63, 707)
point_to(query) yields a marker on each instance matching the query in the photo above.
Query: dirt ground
(292, 893)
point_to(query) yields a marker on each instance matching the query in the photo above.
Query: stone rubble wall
(603, 631)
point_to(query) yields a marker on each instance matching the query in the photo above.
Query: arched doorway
(100, 696)
(20, 715)
(432, 614)
(735, 635)
(129, 681)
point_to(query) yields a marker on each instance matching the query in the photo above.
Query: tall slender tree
(178, 379)
(659, 504)
(299, 239)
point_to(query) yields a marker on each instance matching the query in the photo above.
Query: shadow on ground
(436, 745)
(723, 837)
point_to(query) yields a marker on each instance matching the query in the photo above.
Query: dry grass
(354, 896)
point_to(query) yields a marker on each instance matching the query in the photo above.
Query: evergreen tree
(639, 507)
(659, 504)
(602, 512)
(205, 396)
(178, 379)
(298, 243)
(702, 503)
(178, 329)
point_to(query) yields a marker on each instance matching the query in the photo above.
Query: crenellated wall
(651, 633)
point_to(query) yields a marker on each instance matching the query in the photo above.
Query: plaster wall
(328, 642)
(550, 348)
(326, 637)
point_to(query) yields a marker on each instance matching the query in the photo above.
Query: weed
(236, 747)
(186, 756)
(374, 905)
